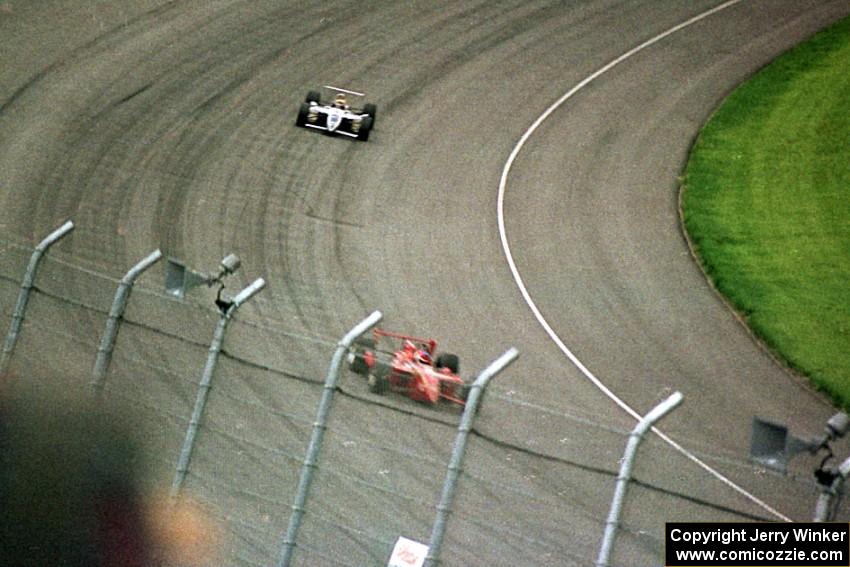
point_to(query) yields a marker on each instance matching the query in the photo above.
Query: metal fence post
(831, 493)
(456, 462)
(206, 382)
(824, 506)
(116, 312)
(24, 295)
(315, 446)
(635, 437)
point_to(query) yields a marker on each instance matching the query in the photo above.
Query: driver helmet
(339, 101)
(423, 356)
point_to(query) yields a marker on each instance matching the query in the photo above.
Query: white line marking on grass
(527, 297)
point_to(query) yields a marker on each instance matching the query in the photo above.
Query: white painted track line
(524, 291)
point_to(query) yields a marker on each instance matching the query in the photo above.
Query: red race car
(412, 368)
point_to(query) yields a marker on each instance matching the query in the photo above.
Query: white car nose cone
(334, 119)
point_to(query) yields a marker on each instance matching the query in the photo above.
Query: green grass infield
(766, 203)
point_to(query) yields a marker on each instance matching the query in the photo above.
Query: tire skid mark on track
(530, 301)
(184, 66)
(298, 240)
(368, 400)
(134, 94)
(339, 254)
(150, 15)
(258, 191)
(502, 34)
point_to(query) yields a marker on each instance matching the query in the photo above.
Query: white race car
(338, 117)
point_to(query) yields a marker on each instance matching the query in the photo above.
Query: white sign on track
(408, 553)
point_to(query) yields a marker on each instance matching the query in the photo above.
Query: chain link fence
(384, 459)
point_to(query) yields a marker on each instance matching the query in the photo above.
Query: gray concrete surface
(170, 124)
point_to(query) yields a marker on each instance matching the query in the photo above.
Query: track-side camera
(229, 264)
(838, 425)
(179, 279)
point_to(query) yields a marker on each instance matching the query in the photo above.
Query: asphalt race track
(170, 124)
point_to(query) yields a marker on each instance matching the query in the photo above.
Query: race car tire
(357, 363)
(303, 111)
(377, 382)
(371, 110)
(450, 361)
(314, 96)
(365, 128)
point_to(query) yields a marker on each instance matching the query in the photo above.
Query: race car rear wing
(355, 93)
(431, 344)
